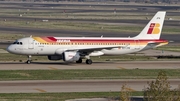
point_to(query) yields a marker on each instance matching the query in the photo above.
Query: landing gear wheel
(89, 61)
(79, 61)
(28, 61)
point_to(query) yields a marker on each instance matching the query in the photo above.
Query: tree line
(158, 90)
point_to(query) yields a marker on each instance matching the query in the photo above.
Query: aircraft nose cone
(10, 49)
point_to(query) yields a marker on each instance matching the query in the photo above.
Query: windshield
(18, 43)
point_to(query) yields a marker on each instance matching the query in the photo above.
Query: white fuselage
(31, 46)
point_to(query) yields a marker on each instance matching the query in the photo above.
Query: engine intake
(54, 57)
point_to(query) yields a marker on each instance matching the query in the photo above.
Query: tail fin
(153, 28)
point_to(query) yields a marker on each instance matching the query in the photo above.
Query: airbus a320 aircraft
(72, 49)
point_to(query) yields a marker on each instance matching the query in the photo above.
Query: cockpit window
(19, 43)
(15, 43)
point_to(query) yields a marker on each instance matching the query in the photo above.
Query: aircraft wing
(91, 49)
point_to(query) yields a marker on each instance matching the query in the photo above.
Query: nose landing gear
(29, 59)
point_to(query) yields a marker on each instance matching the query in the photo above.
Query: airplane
(74, 49)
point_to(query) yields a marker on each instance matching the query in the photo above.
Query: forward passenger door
(30, 43)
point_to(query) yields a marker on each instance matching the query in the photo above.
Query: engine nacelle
(70, 56)
(60, 51)
(54, 57)
(96, 53)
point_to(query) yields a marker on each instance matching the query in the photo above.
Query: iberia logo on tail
(154, 28)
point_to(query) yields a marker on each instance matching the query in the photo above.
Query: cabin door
(31, 43)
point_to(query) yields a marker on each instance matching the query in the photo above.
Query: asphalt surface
(95, 65)
(81, 4)
(42, 86)
(37, 86)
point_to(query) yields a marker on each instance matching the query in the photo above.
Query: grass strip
(72, 26)
(60, 96)
(84, 26)
(85, 74)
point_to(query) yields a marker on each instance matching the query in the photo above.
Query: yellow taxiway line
(40, 90)
(52, 68)
(121, 67)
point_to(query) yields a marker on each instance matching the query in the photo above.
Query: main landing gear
(79, 61)
(88, 61)
(29, 59)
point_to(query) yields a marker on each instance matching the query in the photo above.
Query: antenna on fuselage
(30, 36)
(101, 36)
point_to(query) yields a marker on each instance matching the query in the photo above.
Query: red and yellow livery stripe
(69, 40)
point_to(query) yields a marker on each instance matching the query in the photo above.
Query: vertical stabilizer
(154, 27)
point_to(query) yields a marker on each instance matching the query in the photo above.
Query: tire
(79, 61)
(28, 62)
(89, 61)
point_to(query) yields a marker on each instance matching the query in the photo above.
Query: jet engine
(70, 56)
(54, 57)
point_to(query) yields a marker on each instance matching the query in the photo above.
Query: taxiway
(95, 65)
(42, 86)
